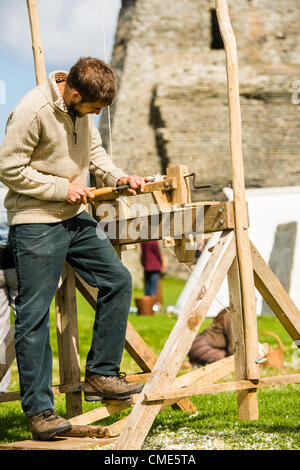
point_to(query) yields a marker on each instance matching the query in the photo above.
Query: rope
(198, 277)
(105, 59)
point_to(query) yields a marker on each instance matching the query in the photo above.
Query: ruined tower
(172, 98)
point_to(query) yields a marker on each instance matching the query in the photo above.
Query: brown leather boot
(46, 425)
(109, 387)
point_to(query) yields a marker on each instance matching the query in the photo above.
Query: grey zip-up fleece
(42, 151)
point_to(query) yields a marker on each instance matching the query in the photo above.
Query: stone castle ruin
(172, 98)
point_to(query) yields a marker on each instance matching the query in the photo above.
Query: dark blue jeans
(40, 251)
(151, 282)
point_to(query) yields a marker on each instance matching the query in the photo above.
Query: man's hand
(78, 194)
(135, 182)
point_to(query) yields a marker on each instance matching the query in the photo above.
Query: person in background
(200, 247)
(214, 343)
(8, 281)
(152, 263)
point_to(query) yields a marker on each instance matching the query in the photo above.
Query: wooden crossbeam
(222, 387)
(194, 218)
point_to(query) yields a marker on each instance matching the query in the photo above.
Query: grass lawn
(216, 424)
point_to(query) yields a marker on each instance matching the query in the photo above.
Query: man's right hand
(78, 194)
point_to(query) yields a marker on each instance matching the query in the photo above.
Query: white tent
(268, 208)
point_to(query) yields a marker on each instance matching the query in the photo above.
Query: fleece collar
(54, 78)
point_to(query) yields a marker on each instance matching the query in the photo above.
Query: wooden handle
(101, 191)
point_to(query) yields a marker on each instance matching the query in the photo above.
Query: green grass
(216, 424)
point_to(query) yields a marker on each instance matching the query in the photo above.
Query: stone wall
(172, 99)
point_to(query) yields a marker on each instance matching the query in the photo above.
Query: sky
(69, 30)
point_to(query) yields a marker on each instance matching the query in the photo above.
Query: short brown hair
(93, 79)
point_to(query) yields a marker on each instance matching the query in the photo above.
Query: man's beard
(72, 109)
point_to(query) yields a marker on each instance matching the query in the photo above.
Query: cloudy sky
(69, 29)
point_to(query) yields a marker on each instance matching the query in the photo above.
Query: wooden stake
(247, 399)
(67, 340)
(238, 185)
(38, 54)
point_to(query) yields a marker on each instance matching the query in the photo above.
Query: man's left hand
(135, 182)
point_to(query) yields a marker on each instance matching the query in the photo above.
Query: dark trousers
(40, 251)
(151, 282)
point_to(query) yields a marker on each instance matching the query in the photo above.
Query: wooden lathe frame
(233, 256)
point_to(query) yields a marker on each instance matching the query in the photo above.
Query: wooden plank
(178, 343)
(67, 340)
(194, 218)
(247, 399)
(275, 295)
(218, 216)
(59, 443)
(238, 186)
(222, 387)
(38, 54)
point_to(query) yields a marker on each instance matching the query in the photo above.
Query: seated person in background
(152, 263)
(214, 343)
